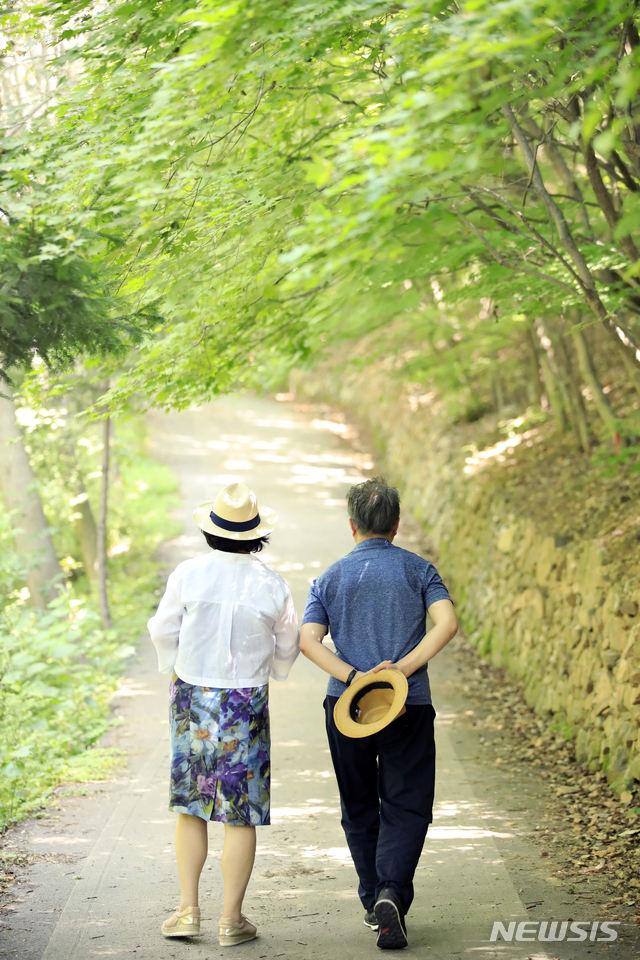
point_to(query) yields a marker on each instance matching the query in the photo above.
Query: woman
(225, 624)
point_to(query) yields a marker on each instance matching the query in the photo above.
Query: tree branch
(622, 336)
(633, 149)
(512, 266)
(346, 102)
(605, 201)
(554, 211)
(631, 184)
(558, 107)
(560, 166)
(494, 216)
(543, 240)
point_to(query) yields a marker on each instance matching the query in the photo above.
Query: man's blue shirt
(374, 602)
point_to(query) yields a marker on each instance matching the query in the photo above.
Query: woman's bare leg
(238, 854)
(192, 842)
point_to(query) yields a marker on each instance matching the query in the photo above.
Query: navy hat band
(234, 527)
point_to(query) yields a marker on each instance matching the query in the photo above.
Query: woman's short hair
(235, 546)
(374, 506)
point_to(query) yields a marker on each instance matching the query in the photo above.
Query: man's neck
(360, 538)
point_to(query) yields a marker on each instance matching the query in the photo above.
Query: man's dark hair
(374, 506)
(235, 546)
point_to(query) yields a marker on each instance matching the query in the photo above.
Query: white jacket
(226, 620)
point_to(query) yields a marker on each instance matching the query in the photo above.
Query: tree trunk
(575, 400)
(21, 498)
(551, 378)
(560, 167)
(535, 384)
(498, 394)
(105, 613)
(87, 532)
(590, 377)
(606, 203)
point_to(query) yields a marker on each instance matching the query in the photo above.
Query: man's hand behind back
(386, 665)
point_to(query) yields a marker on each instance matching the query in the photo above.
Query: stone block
(574, 635)
(574, 707)
(612, 602)
(628, 734)
(525, 551)
(618, 763)
(632, 645)
(610, 658)
(617, 702)
(613, 628)
(506, 538)
(594, 748)
(633, 770)
(547, 559)
(586, 667)
(584, 618)
(589, 574)
(630, 693)
(582, 746)
(622, 671)
(628, 608)
(603, 692)
(571, 568)
(530, 599)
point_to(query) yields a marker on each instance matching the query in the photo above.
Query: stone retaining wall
(542, 608)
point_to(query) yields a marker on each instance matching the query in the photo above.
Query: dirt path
(104, 876)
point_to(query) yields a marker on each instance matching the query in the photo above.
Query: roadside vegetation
(58, 664)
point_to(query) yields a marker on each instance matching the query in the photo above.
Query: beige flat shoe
(185, 923)
(230, 932)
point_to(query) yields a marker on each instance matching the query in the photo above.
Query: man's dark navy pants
(386, 784)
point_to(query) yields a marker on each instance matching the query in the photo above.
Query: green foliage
(57, 671)
(58, 667)
(55, 305)
(278, 177)
(270, 171)
(12, 567)
(608, 464)
(65, 450)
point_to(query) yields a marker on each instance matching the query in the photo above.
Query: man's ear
(354, 529)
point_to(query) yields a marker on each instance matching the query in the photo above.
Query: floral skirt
(220, 746)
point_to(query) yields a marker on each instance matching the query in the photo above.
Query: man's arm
(445, 627)
(311, 637)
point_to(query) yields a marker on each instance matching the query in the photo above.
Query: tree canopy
(272, 173)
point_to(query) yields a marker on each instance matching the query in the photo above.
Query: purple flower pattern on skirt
(220, 753)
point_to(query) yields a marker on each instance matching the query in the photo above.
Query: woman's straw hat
(234, 514)
(371, 703)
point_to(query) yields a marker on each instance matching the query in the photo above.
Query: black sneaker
(392, 933)
(370, 920)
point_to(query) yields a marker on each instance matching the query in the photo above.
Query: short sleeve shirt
(374, 602)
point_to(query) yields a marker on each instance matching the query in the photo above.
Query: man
(374, 602)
